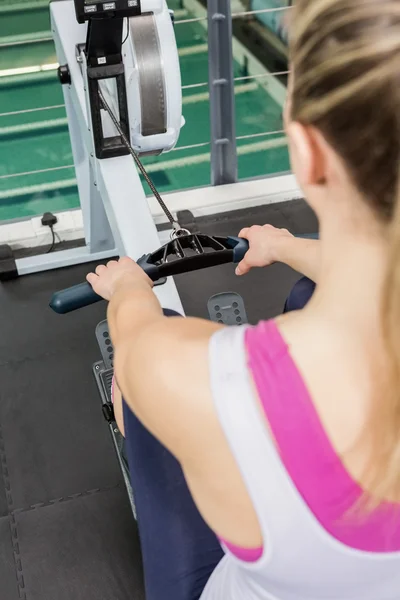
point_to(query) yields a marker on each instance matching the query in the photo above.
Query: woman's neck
(352, 275)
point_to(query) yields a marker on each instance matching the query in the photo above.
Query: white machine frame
(116, 214)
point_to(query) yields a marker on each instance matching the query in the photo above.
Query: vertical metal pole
(222, 94)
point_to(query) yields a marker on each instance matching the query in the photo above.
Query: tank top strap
(269, 486)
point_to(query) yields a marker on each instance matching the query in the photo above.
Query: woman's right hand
(264, 242)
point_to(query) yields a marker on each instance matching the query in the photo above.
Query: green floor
(40, 140)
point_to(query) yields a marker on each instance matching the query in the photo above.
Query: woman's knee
(300, 295)
(170, 313)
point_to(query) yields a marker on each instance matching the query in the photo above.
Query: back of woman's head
(345, 56)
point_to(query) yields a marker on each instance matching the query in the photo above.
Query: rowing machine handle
(239, 249)
(74, 297)
(83, 294)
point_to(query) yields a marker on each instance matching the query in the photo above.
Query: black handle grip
(192, 255)
(81, 295)
(239, 249)
(72, 298)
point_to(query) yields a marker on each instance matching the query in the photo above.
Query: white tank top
(301, 561)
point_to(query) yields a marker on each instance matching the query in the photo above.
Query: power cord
(127, 30)
(53, 241)
(49, 220)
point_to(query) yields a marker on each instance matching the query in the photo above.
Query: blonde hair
(345, 56)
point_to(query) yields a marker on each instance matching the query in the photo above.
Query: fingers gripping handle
(81, 295)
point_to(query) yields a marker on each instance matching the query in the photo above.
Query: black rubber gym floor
(66, 528)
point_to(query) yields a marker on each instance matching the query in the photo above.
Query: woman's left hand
(125, 272)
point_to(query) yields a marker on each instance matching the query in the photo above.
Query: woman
(288, 433)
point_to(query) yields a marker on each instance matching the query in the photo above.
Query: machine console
(87, 10)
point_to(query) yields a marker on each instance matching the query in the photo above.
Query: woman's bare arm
(269, 245)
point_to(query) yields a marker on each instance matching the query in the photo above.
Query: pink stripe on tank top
(250, 555)
(307, 453)
(246, 554)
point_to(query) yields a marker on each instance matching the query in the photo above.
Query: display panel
(89, 9)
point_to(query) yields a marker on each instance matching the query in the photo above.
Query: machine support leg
(98, 233)
(222, 94)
